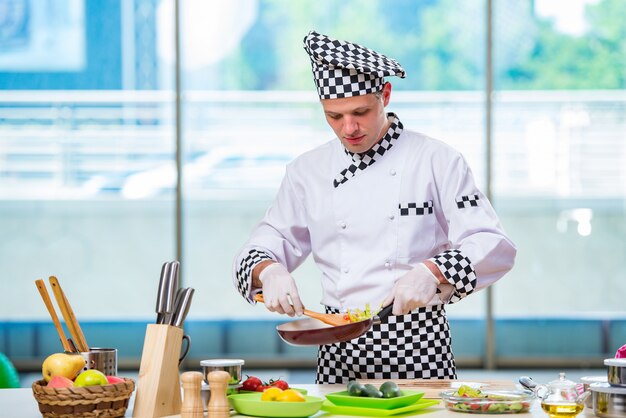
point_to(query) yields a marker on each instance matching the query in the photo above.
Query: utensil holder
(158, 385)
(103, 359)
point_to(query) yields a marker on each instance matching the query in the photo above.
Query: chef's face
(360, 121)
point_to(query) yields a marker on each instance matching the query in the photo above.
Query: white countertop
(20, 403)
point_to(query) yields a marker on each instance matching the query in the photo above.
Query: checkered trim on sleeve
(415, 209)
(244, 272)
(467, 201)
(459, 272)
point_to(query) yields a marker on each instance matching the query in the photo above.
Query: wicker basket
(105, 401)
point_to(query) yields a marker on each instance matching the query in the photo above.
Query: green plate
(251, 404)
(377, 412)
(343, 398)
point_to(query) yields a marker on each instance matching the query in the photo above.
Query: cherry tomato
(262, 388)
(279, 384)
(251, 383)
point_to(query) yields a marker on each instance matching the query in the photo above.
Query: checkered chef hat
(344, 69)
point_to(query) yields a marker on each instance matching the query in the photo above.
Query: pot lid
(607, 388)
(593, 379)
(619, 362)
(222, 362)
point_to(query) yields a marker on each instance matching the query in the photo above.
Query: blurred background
(92, 121)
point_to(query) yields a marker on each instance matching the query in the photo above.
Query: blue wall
(544, 341)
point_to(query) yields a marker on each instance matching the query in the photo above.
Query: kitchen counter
(20, 403)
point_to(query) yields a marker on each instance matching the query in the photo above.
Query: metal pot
(314, 332)
(608, 401)
(587, 381)
(616, 371)
(232, 366)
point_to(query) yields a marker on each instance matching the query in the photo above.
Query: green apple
(91, 377)
(62, 364)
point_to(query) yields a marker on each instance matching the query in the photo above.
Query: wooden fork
(330, 319)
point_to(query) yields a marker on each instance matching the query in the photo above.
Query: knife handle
(182, 307)
(161, 302)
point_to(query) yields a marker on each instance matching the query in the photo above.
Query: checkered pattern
(345, 69)
(458, 270)
(415, 209)
(244, 272)
(412, 346)
(364, 160)
(467, 201)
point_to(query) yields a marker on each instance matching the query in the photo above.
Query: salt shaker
(218, 404)
(192, 402)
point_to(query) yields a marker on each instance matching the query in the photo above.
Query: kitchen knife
(177, 302)
(182, 307)
(161, 304)
(170, 292)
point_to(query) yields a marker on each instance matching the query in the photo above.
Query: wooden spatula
(330, 319)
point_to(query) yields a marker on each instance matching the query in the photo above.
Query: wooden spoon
(330, 319)
(41, 286)
(68, 315)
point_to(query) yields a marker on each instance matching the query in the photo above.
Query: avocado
(390, 390)
(372, 391)
(355, 388)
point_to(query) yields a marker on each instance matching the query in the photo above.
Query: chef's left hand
(415, 289)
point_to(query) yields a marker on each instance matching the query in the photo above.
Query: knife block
(158, 386)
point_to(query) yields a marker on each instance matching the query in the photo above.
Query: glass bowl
(490, 402)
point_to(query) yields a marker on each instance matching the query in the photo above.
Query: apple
(60, 382)
(114, 379)
(91, 377)
(62, 364)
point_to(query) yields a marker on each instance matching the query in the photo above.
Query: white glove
(278, 288)
(417, 288)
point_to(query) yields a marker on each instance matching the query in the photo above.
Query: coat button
(391, 216)
(388, 264)
(392, 172)
(346, 270)
(342, 225)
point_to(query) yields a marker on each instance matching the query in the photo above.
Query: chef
(389, 215)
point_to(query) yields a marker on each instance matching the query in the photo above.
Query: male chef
(389, 215)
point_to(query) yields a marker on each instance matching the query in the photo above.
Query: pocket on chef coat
(417, 225)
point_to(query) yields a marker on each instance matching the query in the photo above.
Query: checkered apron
(412, 346)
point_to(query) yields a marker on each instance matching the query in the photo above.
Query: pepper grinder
(192, 402)
(218, 404)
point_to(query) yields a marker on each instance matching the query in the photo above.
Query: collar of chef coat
(363, 160)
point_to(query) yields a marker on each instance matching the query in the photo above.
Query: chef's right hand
(278, 288)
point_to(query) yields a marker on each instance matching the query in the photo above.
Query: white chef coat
(416, 201)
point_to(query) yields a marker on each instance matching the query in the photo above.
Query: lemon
(290, 395)
(271, 394)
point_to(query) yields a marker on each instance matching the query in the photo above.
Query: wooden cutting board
(432, 387)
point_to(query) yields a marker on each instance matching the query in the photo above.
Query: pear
(62, 364)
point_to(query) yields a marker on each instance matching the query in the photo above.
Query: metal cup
(103, 359)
